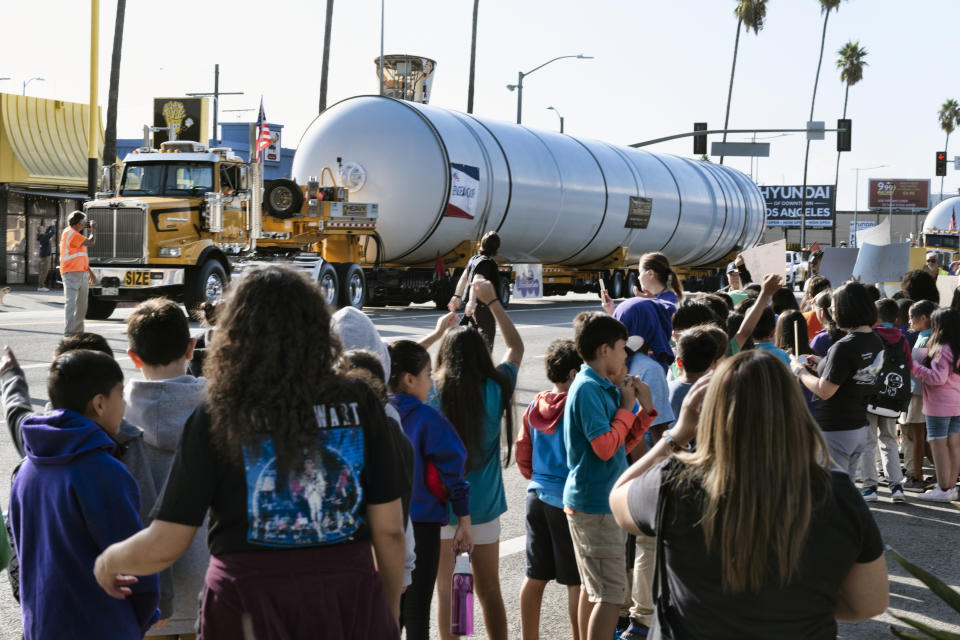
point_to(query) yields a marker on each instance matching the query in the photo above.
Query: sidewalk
(27, 298)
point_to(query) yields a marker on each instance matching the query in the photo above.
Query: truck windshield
(167, 179)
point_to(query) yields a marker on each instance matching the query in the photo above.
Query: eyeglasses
(931, 261)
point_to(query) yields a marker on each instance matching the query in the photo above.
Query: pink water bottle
(461, 598)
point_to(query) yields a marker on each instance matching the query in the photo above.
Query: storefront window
(16, 245)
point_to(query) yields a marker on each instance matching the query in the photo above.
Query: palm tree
(826, 6)
(473, 57)
(750, 13)
(851, 63)
(325, 63)
(949, 119)
(110, 133)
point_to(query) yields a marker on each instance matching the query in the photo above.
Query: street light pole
(554, 109)
(856, 197)
(26, 82)
(522, 74)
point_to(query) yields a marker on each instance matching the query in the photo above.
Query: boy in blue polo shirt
(598, 429)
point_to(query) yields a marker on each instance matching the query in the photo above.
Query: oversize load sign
(783, 205)
(899, 194)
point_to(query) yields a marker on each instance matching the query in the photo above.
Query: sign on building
(784, 203)
(189, 114)
(899, 194)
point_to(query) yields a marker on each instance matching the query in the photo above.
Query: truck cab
(167, 228)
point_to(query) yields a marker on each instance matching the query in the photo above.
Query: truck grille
(119, 234)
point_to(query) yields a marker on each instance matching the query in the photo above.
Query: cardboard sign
(946, 286)
(766, 258)
(638, 215)
(837, 264)
(882, 263)
(877, 235)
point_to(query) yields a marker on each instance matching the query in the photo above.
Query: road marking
(512, 546)
(118, 358)
(437, 314)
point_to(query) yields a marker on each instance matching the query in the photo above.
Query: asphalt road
(926, 533)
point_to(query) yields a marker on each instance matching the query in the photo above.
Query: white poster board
(946, 286)
(856, 228)
(877, 235)
(766, 258)
(528, 284)
(886, 263)
(837, 264)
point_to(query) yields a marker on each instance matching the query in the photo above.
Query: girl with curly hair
(467, 380)
(298, 471)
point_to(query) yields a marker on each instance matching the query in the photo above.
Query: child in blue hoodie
(542, 459)
(72, 499)
(439, 464)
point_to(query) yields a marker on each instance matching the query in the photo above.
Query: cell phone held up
(603, 288)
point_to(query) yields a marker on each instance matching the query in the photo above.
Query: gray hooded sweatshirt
(161, 408)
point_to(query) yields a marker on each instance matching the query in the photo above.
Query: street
(925, 533)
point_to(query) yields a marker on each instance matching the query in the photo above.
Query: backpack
(891, 394)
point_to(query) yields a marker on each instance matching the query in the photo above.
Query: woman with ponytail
(658, 280)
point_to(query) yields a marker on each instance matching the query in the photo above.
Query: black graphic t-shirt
(853, 366)
(351, 463)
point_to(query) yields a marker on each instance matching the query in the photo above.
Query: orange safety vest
(73, 253)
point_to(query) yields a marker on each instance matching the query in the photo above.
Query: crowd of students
(691, 467)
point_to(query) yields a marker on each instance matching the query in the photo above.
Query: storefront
(43, 177)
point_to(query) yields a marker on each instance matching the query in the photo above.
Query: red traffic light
(941, 155)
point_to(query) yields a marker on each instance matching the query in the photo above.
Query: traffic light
(843, 137)
(941, 163)
(700, 141)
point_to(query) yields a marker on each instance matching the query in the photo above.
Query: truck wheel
(206, 284)
(329, 284)
(282, 198)
(99, 309)
(617, 282)
(504, 293)
(633, 280)
(353, 285)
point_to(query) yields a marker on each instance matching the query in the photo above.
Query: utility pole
(93, 121)
(216, 98)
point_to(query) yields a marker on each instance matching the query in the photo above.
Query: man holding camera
(74, 270)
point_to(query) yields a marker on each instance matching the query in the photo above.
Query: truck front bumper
(123, 284)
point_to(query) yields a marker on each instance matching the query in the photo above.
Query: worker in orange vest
(74, 270)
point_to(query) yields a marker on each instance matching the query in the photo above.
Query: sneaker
(912, 484)
(869, 494)
(896, 494)
(939, 495)
(636, 631)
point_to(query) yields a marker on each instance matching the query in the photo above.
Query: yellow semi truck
(181, 218)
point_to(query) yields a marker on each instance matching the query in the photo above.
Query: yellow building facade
(43, 177)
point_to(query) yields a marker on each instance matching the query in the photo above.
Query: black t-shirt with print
(851, 364)
(842, 532)
(352, 463)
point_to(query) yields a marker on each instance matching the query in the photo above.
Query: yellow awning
(44, 142)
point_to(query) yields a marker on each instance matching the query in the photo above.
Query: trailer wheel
(282, 198)
(504, 293)
(206, 284)
(99, 309)
(353, 285)
(329, 284)
(616, 285)
(633, 281)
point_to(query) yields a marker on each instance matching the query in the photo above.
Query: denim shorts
(939, 428)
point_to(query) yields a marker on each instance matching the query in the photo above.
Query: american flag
(263, 137)
(953, 221)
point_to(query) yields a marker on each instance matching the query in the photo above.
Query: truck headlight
(169, 252)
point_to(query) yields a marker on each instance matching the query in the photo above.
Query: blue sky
(658, 66)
